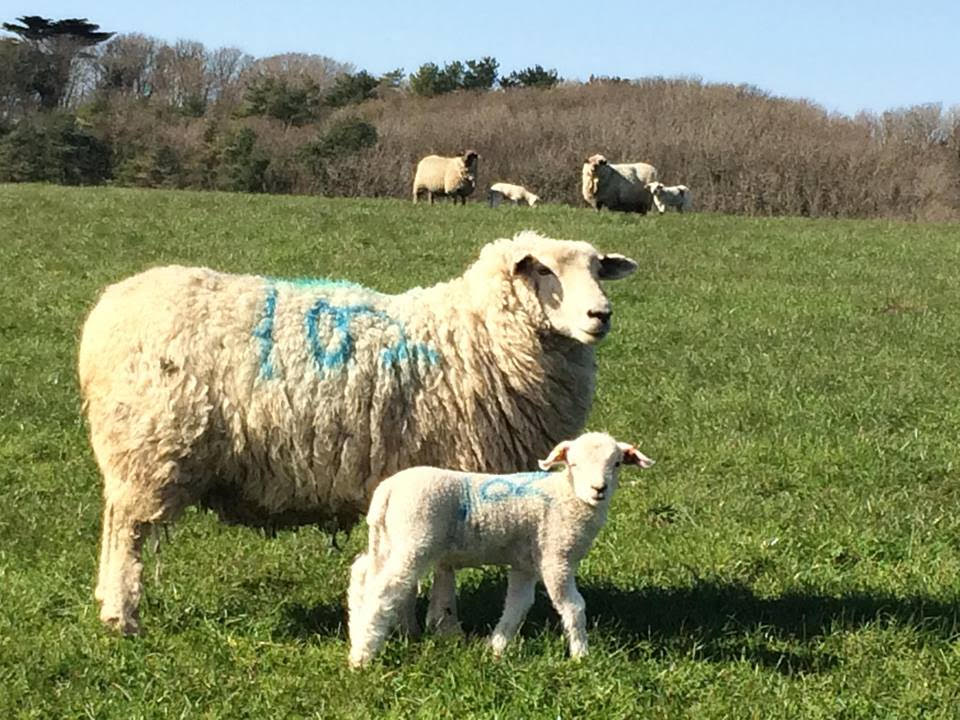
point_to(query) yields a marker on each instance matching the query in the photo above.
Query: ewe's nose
(601, 315)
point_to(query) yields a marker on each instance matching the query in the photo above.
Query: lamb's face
(566, 278)
(594, 460)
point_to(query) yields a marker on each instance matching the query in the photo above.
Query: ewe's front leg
(562, 588)
(520, 593)
(119, 584)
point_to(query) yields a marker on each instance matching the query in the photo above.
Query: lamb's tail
(377, 527)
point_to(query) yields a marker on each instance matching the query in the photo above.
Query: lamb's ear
(614, 266)
(632, 456)
(557, 456)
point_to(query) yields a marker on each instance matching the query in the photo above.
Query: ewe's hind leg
(442, 611)
(520, 593)
(562, 588)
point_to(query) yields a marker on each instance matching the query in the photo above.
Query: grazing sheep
(516, 193)
(620, 187)
(284, 402)
(677, 196)
(454, 177)
(541, 524)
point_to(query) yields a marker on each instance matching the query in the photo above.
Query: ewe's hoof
(119, 624)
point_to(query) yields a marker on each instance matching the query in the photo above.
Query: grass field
(795, 553)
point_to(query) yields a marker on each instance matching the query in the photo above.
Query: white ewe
(620, 187)
(439, 176)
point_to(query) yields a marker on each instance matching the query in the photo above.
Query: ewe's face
(566, 279)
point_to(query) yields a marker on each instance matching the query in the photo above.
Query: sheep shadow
(709, 621)
(718, 622)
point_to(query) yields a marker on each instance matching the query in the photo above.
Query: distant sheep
(620, 187)
(279, 403)
(516, 193)
(439, 176)
(541, 524)
(664, 196)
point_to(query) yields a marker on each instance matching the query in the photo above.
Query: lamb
(541, 524)
(618, 187)
(454, 177)
(677, 196)
(516, 193)
(279, 403)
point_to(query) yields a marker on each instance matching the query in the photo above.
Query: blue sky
(845, 56)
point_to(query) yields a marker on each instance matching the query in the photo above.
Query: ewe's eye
(617, 464)
(543, 270)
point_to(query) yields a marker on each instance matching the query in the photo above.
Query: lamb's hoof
(357, 662)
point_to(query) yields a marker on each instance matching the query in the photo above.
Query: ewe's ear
(523, 264)
(557, 456)
(614, 266)
(632, 456)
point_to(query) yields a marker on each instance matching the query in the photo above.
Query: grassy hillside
(794, 553)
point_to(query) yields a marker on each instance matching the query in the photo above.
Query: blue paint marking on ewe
(464, 509)
(397, 353)
(263, 331)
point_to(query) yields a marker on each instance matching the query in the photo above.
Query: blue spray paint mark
(508, 487)
(501, 488)
(396, 354)
(263, 331)
(464, 509)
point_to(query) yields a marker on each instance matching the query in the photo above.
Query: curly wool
(246, 394)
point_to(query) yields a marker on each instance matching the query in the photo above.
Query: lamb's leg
(355, 595)
(386, 592)
(520, 594)
(407, 615)
(119, 585)
(562, 588)
(442, 611)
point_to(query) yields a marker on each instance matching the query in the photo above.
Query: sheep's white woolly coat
(617, 187)
(445, 176)
(279, 402)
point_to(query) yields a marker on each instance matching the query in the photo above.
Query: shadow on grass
(709, 621)
(719, 622)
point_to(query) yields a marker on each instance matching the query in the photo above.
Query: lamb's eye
(617, 464)
(543, 270)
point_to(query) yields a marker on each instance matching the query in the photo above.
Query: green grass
(794, 553)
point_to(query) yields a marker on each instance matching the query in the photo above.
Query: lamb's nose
(601, 315)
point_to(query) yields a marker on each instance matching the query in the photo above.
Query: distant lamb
(279, 403)
(541, 524)
(620, 187)
(439, 176)
(516, 193)
(677, 196)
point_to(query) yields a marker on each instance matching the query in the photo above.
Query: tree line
(79, 105)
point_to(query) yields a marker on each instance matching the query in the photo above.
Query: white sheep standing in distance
(664, 196)
(279, 403)
(454, 177)
(516, 193)
(540, 524)
(617, 187)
